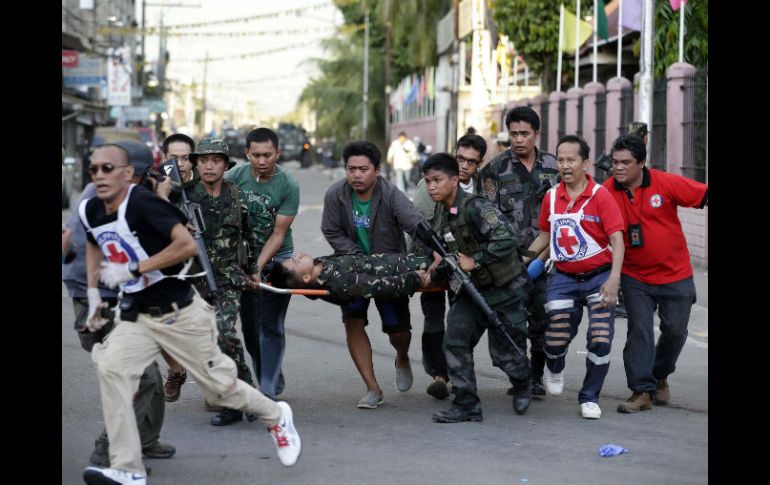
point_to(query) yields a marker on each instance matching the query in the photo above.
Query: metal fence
(562, 129)
(657, 156)
(580, 117)
(626, 109)
(694, 127)
(601, 121)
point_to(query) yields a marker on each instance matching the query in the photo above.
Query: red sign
(69, 58)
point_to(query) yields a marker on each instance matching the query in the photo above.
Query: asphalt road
(397, 443)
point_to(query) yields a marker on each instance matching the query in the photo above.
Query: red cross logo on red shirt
(115, 255)
(566, 241)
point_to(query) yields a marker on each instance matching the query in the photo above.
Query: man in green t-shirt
(365, 213)
(272, 197)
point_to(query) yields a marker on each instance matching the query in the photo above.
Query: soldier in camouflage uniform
(516, 181)
(487, 247)
(351, 276)
(231, 248)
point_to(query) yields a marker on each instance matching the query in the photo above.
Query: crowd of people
(535, 234)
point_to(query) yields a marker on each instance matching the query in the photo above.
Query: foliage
(336, 95)
(696, 42)
(533, 26)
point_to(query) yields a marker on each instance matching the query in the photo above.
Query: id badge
(635, 235)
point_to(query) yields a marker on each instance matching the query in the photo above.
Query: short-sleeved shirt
(664, 257)
(601, 218)
(266, 201)
(362, 222)
(152, 219)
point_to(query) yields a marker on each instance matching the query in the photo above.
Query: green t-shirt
(361, 221)
(265, 201)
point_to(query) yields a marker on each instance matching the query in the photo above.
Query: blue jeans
(262, 319)
(566, 297)
(646, 362)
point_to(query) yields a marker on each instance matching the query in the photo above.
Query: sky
(274, 79)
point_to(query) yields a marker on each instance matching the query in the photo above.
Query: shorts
(393, 313)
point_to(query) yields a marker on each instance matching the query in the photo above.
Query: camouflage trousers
(230, 304)
(465, 326)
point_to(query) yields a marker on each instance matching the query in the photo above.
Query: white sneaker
(94, 475)
(285, 436)
(554, 383)
(590, 410)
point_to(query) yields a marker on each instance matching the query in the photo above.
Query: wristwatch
(133, 268)
(476, 265)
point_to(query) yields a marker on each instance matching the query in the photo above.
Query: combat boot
(522, 395)
(456, 414)
(538, 366)
(101, 454)
(226, 416)
(663, 392)
(173, 386)
(639, 401)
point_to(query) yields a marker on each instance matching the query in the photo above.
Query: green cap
(212, 145)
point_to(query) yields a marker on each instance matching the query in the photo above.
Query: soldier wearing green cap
(232, 248)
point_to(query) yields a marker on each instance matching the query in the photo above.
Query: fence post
(679, 107)
(615, 88)
(592, 132)
(554, 99)
(574, 123)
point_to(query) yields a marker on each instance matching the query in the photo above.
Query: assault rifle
(459, 281)
(193, 213)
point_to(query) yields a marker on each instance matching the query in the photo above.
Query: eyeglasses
(105, 168)
(461, 159)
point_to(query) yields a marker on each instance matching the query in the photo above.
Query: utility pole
(645, 77)
(140, 71)
(365, 109)
(205, 77)
(388, 19)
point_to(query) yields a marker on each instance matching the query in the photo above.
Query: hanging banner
(119, 76)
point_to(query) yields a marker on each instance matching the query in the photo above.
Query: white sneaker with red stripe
(285, 436)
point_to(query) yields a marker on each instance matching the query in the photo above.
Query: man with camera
(144, 241)
(657, 272)
(149, 406)
(517, 180)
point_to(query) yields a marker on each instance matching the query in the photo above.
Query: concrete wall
(425, 128)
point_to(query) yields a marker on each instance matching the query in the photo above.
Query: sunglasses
(105, 168)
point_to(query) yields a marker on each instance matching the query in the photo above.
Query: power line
(295, 11)
(153, 31)
(251, 54)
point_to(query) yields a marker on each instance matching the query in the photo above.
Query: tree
(335, 96)
(696, 42)
(533, 26)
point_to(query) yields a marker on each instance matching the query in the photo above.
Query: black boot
(101, 454)
(226, 416)
(456, 414)
(538, 364)
(522, 395)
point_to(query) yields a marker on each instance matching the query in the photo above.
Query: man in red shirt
(656, 271)
(582, 224)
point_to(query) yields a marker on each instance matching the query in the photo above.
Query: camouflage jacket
(227, 232)
(386, 276)
(493, 236)
(517, 192)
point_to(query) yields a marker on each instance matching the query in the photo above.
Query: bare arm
(182, 247)
(609, 290)
(273, 243)
(94, 257)
(538, 245)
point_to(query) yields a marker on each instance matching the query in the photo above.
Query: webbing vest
(458, 235)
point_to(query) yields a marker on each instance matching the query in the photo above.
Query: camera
(154, 176)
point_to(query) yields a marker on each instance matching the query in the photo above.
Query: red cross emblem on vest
(566, 241)
(116, 254)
